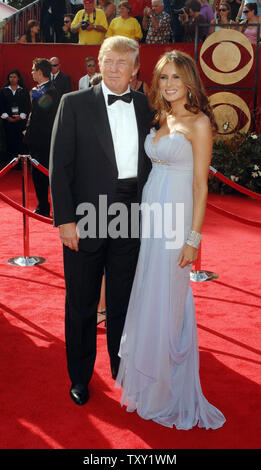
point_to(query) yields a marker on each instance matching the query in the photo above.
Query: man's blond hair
(120, 44)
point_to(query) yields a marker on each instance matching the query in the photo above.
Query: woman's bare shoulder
(200, 127)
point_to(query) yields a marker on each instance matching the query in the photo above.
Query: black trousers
(41, 184)
(117, 257)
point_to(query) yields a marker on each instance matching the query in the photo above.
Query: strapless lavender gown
(159, 368)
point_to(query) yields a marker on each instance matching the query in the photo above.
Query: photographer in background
(90, 23)
(190, 17)
(172, 6)
(157, 23)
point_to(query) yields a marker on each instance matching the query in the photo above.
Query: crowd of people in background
(148, 21)
(90, 22)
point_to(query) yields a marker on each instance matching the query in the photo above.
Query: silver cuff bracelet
(194, 239)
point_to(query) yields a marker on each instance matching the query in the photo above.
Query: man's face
(91, 67)
(55, 65)
(88, 5)
(116, 69)
(36, 74)
(156, 8)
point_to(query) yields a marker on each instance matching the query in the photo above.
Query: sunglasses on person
(223, 9)
(66, 21)
(246, 11)
(55, 65)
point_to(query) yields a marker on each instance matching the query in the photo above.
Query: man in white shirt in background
(90, 64)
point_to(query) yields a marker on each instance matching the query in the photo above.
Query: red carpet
(36, 410)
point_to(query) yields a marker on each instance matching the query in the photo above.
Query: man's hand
(69, 235)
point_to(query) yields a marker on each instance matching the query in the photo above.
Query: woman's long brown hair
(197, 99)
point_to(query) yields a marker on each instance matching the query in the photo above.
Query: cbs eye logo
(232, 58)
(231, 113)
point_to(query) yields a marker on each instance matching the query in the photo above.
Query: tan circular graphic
(226, 59)
(226, 116)
(226, 56)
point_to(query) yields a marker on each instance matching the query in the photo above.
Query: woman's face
(171, 86)
(223, 10)
(124, 12)
(35, 29)
(248, 13)
(13, 79)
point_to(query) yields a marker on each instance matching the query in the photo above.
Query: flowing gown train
(159, 368)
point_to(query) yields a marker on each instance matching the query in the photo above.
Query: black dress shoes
(79, 394)
(45, 213)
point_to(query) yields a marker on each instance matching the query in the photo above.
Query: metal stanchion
(198, 275)
(25, 260)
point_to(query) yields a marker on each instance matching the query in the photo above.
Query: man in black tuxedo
(45, 102)
(61, 81)
(97, 150)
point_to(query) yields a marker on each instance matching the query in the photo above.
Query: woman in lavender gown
(159, 368)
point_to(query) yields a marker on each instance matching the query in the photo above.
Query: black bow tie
(112, 98)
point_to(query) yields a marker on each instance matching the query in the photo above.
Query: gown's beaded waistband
(161, 162)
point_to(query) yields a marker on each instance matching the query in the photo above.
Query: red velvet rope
(233, 216)
(212, 170)
(8, 167)
(219, 210)
(24, 210)
(236, 186)
(39, 166)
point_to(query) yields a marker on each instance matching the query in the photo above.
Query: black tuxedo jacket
(62, 83)
(82, 158)
(40, 123)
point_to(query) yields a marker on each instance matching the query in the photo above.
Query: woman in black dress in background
(15, 107)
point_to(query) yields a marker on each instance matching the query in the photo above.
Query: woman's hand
(187, 256)
(13, 119)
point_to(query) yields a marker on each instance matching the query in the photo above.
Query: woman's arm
(202, 143)
(212, 29)
(22, 40)
(240, 10)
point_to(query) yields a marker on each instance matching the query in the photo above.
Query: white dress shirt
(54, 75)
(84, 82)
(123, 124)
